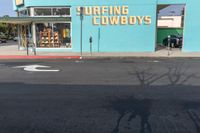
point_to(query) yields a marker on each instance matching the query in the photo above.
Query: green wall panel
(164, 32)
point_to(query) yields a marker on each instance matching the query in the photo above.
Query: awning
(28, 20)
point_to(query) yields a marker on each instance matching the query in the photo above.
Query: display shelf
(49, 39)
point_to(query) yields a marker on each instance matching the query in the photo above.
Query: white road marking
(35, 68)
(155, 61)
(79, 61)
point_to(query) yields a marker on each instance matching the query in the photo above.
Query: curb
(38, 57)
(129, 57)
(85, 57)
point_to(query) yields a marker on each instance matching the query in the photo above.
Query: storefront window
(52, 11)
(24, 13)
(53, 35)
(43, 12)
(61, 11)
(64, 30)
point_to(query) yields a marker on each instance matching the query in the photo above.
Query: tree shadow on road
(192, 110)
(133, 107)
(175, 75)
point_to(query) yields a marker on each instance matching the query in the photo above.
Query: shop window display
(53, 35)
(64, 33)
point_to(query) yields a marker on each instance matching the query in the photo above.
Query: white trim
(53, 50)
(34, 34)
(50, 6)
(32, 12)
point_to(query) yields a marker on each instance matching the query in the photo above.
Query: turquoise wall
(127, 38)
(117, 38)
(192, 26)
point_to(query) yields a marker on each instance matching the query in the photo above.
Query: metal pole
(27, 39)
(81, 38)
(81, 18)
(27, 48)
(18, 35)
(90, 40)
(99, 36)
(168, 45)
(91, 48)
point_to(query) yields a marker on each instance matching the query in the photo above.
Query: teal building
(114, 25)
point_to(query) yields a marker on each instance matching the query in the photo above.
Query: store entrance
(170, 27)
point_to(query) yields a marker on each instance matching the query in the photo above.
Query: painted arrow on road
(36, 68)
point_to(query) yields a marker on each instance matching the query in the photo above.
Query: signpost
(99, 37)
(27, 47)
(90, 40)
(81, 18)
(168, 47)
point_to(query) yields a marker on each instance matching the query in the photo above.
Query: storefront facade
(115, 25)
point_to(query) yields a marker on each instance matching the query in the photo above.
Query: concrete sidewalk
(11, 49)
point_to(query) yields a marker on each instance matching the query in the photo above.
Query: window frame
(52, 11)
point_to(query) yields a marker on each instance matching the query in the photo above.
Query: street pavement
(132, 95)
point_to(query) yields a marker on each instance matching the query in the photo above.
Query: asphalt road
(101, 96)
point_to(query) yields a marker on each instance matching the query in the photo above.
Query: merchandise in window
(53, 35)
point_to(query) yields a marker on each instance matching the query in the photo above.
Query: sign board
(113, 15)
(19, 2)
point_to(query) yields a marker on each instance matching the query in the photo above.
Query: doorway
(170, 27)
